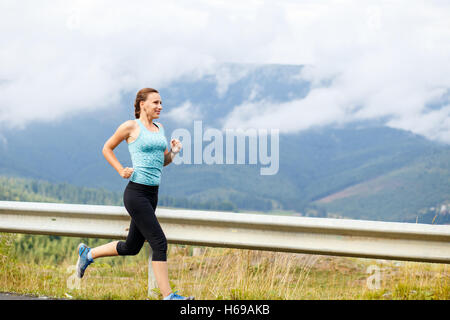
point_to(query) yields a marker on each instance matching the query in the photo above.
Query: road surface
(14, 296)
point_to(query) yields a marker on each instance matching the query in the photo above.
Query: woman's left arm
(175, 147)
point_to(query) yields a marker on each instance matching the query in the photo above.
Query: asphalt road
(13, 296)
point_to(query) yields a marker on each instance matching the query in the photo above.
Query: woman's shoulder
(128, 126)
(129, 123)
(159, 124)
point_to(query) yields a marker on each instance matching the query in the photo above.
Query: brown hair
(141, 96)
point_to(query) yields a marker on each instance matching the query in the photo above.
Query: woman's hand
(175, 146)
(126, 172)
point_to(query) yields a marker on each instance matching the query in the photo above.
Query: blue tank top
(147, 155)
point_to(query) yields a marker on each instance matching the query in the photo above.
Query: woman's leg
(162, 277)
(141, 207)
(132, 245)
(153, 233)
(106, 250)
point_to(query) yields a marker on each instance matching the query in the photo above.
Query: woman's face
(152, 106)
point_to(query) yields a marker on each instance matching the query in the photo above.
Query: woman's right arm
(122, 133)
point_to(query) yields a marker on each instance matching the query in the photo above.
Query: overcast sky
(388, 59)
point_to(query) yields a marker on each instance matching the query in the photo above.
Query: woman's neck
(145, 120)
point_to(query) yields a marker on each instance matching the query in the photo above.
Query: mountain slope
(315, 164)
(404, 194)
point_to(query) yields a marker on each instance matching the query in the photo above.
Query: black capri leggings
(140, 200)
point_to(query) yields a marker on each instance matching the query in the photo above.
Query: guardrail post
(152, 284)
(198, 251)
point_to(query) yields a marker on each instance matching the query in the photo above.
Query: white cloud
(384, 58)
(3, 140)
(434, 124)
(226, 75)
(185, 114)
(58, 58)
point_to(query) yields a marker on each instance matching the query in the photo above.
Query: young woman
(148, 149)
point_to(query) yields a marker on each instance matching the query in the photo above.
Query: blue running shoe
(83, 260)
(175, 296)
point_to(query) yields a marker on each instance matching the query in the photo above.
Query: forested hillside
(30, 190)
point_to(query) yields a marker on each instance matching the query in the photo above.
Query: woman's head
(148, 102)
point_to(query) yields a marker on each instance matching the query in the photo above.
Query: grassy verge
(214, 273)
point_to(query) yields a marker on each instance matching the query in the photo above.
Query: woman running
(148, 149)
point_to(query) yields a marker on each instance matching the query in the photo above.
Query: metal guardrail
(337, 237)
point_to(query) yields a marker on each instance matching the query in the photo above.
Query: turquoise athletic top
(147, 155)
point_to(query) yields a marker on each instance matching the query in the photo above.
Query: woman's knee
(159, 249)
(159, 255)
(124, 250)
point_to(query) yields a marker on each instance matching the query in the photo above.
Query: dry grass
(219, 273)
(241, 274)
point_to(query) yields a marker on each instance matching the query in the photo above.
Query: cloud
(381, 61)
(3, 140)
(185, 114)
(434, 124)
(226, 74)
(366, 60)
(57, 60)
(60, 58)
